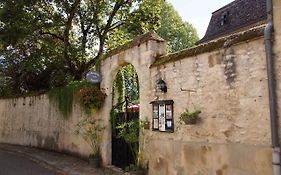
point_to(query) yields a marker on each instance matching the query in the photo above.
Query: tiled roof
(234, 17)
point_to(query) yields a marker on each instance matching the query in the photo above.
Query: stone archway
(125, 96)
(141, 53)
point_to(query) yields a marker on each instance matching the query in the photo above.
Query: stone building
(224, 76)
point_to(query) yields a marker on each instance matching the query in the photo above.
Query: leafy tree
(44, 36)
(127, 85)
(180, 34)
(143, 19)
(47, 43)
(167, 23)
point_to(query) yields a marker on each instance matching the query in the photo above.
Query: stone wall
(141, 55)
(229, 86)
(35, 121)
(277, 52)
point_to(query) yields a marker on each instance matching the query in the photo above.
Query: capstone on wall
(229, 86)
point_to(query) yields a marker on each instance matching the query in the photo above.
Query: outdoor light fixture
(161, 84)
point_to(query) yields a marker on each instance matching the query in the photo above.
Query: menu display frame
(162, 115)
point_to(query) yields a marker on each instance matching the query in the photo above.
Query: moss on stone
(211, 46)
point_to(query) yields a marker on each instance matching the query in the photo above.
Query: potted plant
(190, 117)
(95, 159)
(91, 129)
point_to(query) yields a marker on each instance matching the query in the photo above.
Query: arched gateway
(141, 53)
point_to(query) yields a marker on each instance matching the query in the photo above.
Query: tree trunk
(78, 76)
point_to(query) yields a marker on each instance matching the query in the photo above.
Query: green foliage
(118, 85)
(131, 83)
(29, 61)
(178, 33)
(47, 44)
(114, 113)
(91, 129)
(133, 167)
(189, 117)
(75, 33)
(145, 18)
(127, 85)
(118, 38)
(160, 16)
(89, 96)
(129, 131)
(28, 68)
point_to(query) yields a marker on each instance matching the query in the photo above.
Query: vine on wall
(88, 95)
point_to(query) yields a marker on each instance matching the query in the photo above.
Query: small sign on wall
(162, 116)
(93, 77)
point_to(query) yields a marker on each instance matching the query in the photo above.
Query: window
(224, 18)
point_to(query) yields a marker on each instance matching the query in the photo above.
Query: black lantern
(161, 84)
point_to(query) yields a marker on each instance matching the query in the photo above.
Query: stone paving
(62, 164)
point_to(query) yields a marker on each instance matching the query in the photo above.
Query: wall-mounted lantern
(161, 84)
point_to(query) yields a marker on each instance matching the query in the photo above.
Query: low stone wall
(34, 121)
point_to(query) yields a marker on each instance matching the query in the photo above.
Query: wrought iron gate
(122, 156)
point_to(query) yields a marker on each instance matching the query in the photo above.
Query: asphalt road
(12, 164)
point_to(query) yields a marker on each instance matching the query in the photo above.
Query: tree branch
(68, 26)
(53, 35)
(102, 33)
(111, 17)
(116, 25)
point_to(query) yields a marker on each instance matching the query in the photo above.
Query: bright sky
(198, 12)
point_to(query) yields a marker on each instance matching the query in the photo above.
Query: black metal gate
(122, 156)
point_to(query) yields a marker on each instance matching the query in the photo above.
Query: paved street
(21, 160)
(13, 164)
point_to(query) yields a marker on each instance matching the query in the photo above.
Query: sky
(198, 12)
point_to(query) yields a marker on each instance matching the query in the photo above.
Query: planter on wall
(190, 118)
(190, 121)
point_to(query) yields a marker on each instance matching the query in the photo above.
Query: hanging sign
(93, 77)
